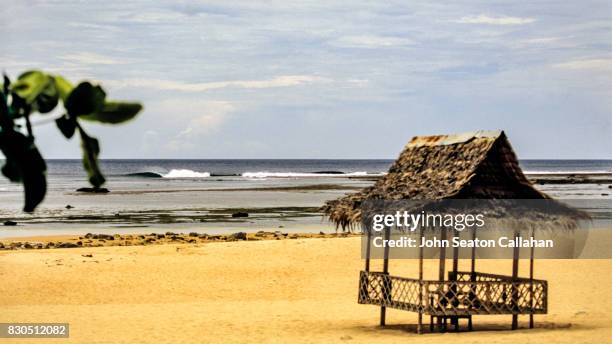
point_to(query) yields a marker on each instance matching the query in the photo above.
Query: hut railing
(469, 294)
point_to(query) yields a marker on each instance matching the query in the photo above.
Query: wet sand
(301, 290)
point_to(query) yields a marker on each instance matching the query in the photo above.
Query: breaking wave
(174, 173)
(145, 175)
(185, 173)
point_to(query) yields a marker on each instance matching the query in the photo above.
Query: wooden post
(473, 265)
(367, 260)
(364, 282)
(442, 255)
(531, 279)
(455, 257)
(420, 323)
(385, 286)
(454, 319)
(442, 268)
(472, 277)
(515, 268)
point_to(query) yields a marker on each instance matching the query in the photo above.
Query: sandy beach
(301, 290)
(305, 171)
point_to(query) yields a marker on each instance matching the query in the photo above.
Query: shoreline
(108, 240)
(169, 215)
(297, 188)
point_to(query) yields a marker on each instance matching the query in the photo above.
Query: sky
(324, 78)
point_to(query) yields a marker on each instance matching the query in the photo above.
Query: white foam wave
(265, 174)
(183, 173)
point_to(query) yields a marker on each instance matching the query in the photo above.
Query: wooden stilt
(363, 284)
(368, 248)
(473, 264)
(442, 256)
(455, 320)
(531, 280)
(441, 271)
(472, 277)
(455, 258)
(386, 286)
(420, 323)
(515, 268)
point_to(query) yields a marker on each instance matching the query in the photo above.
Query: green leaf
(13, 145)
(34, 180)
(6, 122)
(30, 84)
(6, 84)
(19, 107)
(24, 164)
(35, 91)
(47, 99)
(11, 170)
(91, 150)
(85, 99)
(114, 112)
(66, 125)
(63, 86)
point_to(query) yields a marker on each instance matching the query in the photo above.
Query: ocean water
(148, 195)
(262, 168)
(567, 166)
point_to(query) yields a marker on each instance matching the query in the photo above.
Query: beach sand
(285, 291)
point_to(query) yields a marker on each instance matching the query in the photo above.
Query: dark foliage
(35, 91)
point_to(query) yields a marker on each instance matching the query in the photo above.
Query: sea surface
(201, 195)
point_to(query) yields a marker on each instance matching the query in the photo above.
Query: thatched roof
(476, 165)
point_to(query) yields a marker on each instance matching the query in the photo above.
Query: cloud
(201, 115)
(587, 64)
(207, 122)
(86, 58)
(186, 123)
(357, 82)
(14, 64)
(371, 41)
(294, 64)
(567, 42)
(501, 20)
(173, 85)
(542, 40)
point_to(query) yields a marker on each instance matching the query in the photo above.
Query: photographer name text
(503, 242)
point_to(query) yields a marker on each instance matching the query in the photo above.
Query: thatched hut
(478, 165)
(471, 166)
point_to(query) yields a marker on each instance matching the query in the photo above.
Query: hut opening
(471, 166)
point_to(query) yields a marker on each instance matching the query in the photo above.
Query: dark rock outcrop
(93, 190)
(238, 236)
(67, 245)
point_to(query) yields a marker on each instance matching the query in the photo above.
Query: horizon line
(392, 159)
